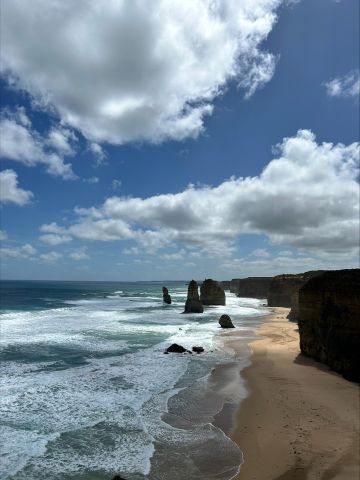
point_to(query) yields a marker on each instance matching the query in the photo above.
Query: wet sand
(300, 421)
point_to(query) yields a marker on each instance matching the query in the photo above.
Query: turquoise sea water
(86, 391)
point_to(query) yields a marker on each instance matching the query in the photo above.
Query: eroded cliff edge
(329, 320)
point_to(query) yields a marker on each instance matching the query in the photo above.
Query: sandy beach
(300, 420)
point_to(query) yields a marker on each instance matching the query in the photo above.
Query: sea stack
(193, 303)
(226, 322)
(166, 296)
(211, 293)
(329, 321)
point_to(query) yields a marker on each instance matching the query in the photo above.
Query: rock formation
(234, 285)
(175, 348)
(284, 291)
(225, 322)
(193, 303)
(252, 287)
(166, 296)
(198, 349)
(211, 293)
(225, 284)
(329, 321)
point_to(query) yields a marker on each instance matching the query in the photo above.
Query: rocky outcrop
(193, 303)
(284, 291)
(234, 285)
(253, 287)
(225, 284)
(211, 293)
(198, 349)
(225, 322)
(175, 348)
(166, 296)
(329, 321)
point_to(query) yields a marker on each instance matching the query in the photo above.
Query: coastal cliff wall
(284, 291)
(225, 284)
(253, 287)
(329, 320)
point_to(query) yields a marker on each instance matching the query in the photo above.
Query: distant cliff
(329, 320)
(284, 290)
(225, 284)
(252, 287)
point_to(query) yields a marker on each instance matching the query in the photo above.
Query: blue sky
(185, 141)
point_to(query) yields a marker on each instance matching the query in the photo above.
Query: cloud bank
(307, 197)
(123, 71)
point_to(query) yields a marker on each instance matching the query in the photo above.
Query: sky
(178, 139)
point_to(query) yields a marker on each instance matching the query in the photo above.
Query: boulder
(211, 293)
(193, 303)
(175, 348)
(117, 477)
(166, 296)
(329, 321)
(225, 322)
(198, 349)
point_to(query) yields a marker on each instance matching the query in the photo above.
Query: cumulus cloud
(308, 198)
(25, 251)
(51, 257)
(20, 142)
(347, 86)
(135, 71)
(55, 239)
(10, 192)
(79, 254)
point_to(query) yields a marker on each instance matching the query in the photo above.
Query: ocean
(87, 393)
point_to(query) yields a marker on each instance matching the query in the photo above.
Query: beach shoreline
(300, 420)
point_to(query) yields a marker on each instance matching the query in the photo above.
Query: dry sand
(300, 421)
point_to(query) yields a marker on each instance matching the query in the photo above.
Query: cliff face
(253, 287)
(193, 304)
(211, 293)
(225, 284)
(284, 291)
(329, 321)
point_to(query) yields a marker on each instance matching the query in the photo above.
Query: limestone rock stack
(193, 303)
(166, 296)
(211, 293)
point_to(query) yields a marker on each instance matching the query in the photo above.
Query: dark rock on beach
(175, 348)
(329, 321)
(193, 303)
(211, 293)
(225, 322)
(166, 296)
(198, 349)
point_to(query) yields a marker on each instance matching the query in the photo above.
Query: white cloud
(133, 71)
(51, 257)
(347, 86)
(10, 192)
(116, 184)
(98, 152)
(61, 140)
(260, 252)
(55, 239)
(20, 142)
(26, 251)
(91, 180)
(3, 235)
(79, 254)
(308, 198)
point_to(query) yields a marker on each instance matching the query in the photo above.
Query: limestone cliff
(329, 320)
(225, 284)
(193, 304)
(253, 287)
(211, 293)
(284, 290)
